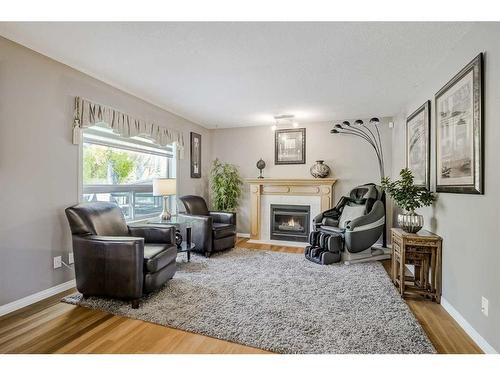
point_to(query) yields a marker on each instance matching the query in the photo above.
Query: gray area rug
(281, 302)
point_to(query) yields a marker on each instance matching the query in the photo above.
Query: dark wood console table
(423, 251)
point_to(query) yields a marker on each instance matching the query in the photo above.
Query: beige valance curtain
(88, 114)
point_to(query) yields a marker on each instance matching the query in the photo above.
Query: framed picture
(290, 146)
(459, 132)
(418, 150)
(195, 155)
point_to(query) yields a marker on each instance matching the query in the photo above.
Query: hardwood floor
(54, 327)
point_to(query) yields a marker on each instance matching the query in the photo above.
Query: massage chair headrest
(366, 191)
(366, 194)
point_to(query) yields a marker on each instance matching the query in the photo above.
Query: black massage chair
(349, 230)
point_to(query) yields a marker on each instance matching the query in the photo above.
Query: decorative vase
(320, 170)
(261, 164)
(411, 222)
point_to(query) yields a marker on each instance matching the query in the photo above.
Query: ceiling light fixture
(284, 121)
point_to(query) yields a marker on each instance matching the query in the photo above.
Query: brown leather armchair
(211, 230)
(115, 260)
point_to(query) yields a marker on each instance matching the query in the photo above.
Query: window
(121, 170)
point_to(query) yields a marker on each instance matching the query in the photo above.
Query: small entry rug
(281, 302)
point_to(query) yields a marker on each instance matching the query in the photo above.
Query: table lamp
(164, 187)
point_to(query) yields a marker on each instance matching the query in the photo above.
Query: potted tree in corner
(226, 183)
(408, 197)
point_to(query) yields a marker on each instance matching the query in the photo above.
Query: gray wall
(352, 160)
(468, 224)
(39, 164)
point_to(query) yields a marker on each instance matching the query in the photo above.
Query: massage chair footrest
(321, 256)
(324, 248)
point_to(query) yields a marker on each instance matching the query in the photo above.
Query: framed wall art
(418, 150)
(195, 155)
(459, 132)
(290, 146)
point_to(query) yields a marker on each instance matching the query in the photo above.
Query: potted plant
(226, 183)
(409, 197)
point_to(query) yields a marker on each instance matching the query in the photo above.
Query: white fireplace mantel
(322, 188)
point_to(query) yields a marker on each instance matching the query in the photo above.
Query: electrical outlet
(71, 259)
(57, 262)
(484, 306)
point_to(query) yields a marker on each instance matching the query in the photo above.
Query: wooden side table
(423, 251)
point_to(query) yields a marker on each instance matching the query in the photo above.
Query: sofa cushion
(223, 230)
(158, 256)
(153, 281)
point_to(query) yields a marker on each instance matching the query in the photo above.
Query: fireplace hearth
(290, 222)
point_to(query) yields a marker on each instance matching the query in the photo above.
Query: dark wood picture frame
(477, 164)
(426, 110)
(277, 133)
(195, 155)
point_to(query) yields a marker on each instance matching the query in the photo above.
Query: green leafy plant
(101, 164)
(226, 186)
(122, 165)
(407, 195)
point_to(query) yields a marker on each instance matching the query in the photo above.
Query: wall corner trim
(33, 298)
(475, 336)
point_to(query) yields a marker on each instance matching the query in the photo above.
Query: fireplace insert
(290, 222)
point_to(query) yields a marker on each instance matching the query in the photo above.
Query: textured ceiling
(241, 74)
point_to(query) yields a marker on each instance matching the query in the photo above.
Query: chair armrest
(153, 233)
(223, 217)
(333, 214)
(329, 222)
(372, 219)
(109, 266)
(317, 219)
(201, 230)
(110, 239)
(329, 217)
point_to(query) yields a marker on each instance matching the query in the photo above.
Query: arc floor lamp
(370, 134)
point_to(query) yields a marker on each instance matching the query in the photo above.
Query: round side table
(186, 248)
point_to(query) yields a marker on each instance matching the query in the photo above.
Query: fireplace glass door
(290, 222)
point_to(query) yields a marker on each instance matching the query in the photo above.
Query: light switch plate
(57, 262)
(484, 306)
(71, 259)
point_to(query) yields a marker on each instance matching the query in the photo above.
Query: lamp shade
(164, 186)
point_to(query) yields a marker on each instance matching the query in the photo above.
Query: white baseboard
(474, 335)
(29, 300)
(243, 235)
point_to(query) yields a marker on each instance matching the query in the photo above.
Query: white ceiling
(241, 74)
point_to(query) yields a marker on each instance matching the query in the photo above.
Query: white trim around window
(105, 137)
